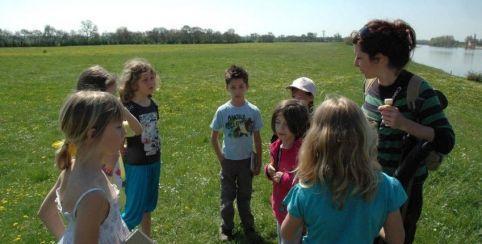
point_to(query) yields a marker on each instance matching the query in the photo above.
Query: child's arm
(289, 226)
(49, 214)
(132, 121)
(92, 211)
(288, 177)
(259, 152)
(393, 228)
(269, 169)
(216, 146)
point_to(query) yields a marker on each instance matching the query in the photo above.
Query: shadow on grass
(240, 237)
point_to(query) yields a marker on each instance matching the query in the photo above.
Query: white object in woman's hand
(392, 117)
(388, 101)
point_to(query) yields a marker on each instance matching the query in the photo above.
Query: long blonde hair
(82, 111)
(339, 151)
(133, 69)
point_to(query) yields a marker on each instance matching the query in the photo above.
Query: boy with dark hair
(240, 122)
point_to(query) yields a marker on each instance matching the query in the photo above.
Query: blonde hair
(339, 150)
(133, 69)
(82, 111)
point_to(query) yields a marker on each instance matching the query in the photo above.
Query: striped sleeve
(432, 115)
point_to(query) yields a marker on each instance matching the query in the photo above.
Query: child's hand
(107, 169)
(271, 170)
(277, 176)
(221, 158)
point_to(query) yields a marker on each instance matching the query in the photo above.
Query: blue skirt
(142, 190)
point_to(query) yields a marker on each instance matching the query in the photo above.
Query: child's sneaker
(253, 236)
(225, 235)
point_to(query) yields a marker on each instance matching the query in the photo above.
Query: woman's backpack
(414, 103)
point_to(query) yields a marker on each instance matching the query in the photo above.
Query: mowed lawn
(35, 81)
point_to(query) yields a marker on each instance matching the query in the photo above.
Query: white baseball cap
(304, 84)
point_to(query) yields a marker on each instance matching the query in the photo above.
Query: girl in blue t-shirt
(342, 196)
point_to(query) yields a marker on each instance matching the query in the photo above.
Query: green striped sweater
(429, 113)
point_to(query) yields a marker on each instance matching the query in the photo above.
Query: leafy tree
(88, 35)
(88, 31)
(443, 41)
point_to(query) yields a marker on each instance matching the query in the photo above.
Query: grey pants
(236, 182)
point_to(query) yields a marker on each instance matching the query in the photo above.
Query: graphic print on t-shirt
(150, 135)
(239, 126)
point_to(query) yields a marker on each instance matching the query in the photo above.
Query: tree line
(449, 41)
(88, 35)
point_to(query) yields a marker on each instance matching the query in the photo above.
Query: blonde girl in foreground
(92, 123)
(342, 196)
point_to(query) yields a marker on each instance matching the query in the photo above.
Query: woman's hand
(392, 117)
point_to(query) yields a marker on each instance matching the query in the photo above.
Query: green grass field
(35, 81)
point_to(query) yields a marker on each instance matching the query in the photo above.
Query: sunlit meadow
(35, 81)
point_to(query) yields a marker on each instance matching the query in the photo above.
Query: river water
(456, 61)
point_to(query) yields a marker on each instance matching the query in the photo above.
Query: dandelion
(58, 144)
(18, 238)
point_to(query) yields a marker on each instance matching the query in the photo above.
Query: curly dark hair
(133, 69)
(396, 40)
(235, 72)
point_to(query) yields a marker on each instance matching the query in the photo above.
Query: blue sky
(429, 18)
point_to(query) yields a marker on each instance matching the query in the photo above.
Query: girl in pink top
(289, 122)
